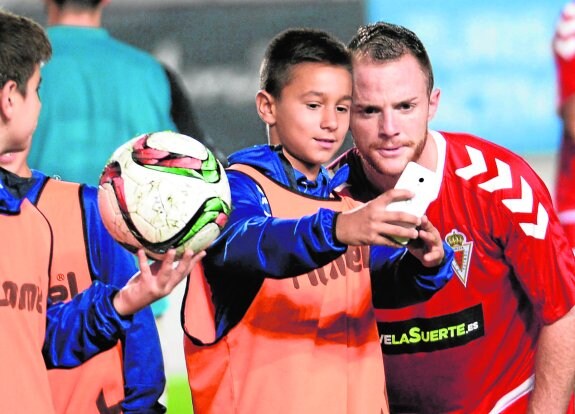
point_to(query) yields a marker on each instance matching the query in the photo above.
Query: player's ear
(7, 98)
(265, 105)
(433, 103)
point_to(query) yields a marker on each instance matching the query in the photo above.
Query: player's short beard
(418, 150)
(381, 179)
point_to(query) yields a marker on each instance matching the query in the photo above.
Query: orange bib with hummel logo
(307, 344)
(97, 385)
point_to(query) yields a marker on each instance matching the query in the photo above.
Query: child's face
(312, 115)
(25, 115)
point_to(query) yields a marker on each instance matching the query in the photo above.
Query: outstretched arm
(554, 367)
(100, 315)
(85, 326)
(261, 245)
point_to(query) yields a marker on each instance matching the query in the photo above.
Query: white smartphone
(420, 181)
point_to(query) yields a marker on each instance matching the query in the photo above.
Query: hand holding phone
(420, 181)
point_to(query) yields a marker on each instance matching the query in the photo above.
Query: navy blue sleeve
(142, 354)
(85, 326)
(399, 279)
(254, 243)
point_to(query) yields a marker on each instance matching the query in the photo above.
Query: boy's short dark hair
(23, 45)
(80, 4)
(383, 42)
(295, 46)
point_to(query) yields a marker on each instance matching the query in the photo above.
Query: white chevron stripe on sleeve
(523, 204)
(476, 167)
(538, 229)
(503, 179)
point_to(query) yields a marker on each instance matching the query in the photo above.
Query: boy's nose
(329, 120)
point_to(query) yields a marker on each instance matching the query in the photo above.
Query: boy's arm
(98, 317)
(400, 279)
(85, 326)
(254, 243)
(143, 366)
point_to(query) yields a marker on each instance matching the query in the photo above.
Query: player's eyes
(370, 110)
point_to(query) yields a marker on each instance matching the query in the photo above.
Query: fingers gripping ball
(164, 190)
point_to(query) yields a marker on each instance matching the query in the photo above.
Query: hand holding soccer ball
(154, 281)
(162, 191)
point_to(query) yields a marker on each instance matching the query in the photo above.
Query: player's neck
(428, 157)
(75, 18)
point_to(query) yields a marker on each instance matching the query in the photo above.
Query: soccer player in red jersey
(499, 337)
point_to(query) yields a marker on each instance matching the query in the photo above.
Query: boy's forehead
(305, 70)
(315, 81)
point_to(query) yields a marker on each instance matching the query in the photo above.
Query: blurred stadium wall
(493, 62)
(492, 59)
(217, 46)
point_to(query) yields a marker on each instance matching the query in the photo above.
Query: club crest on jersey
(462, 254)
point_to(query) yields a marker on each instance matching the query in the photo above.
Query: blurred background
(216, 46)
(492, 61)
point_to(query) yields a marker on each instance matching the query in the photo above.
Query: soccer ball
(164, 190)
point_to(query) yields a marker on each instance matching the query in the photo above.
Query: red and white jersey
(564, 51)
(471, 347)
